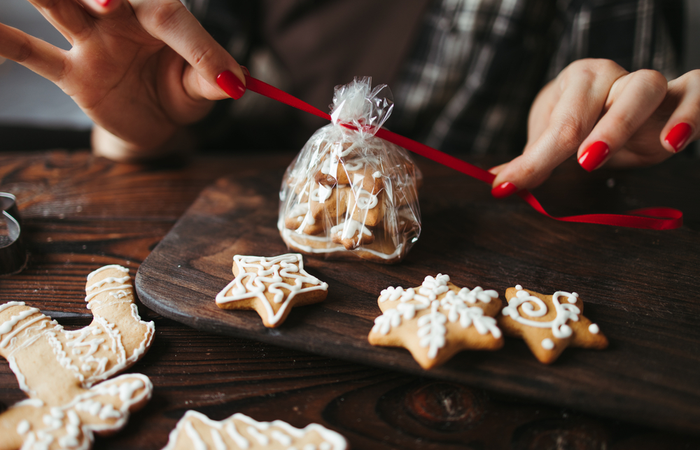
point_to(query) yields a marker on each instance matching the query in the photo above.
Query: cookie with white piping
(63, 372)
(437, 320)
(380, 177)
(271, 286)
(549, 323)
(195, 430)
(351, 234)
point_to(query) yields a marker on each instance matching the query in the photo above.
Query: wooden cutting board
(640, 286)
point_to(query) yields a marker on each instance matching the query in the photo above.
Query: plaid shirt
(476, 65)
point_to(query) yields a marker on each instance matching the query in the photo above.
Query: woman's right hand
(140, 69)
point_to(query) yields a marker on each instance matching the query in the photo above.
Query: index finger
(570, 113)
(172, 23)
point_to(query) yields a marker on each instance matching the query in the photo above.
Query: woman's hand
(140, 69)
(605, 115)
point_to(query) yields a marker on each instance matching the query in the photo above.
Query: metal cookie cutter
(13, 255)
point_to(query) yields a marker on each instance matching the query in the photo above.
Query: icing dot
(573, 297)
(593, 328)
(547, 344)
(23, 427)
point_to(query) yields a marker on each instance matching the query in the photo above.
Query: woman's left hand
(606, 116)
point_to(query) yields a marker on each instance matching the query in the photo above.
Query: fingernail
(594, 155)
(230, 84)
(104, 3)
(678, 135)
(504, 190)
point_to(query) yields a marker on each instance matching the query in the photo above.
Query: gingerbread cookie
(271, 286)
(58, 369)
(549, 323)
(240, 432)
(437, 320)
(349, 194)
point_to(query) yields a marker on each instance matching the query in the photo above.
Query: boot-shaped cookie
(56, 368)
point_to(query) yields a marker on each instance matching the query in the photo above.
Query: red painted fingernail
(504, 190)
(594, 155)
(678, 135)
(230, 84)
(104, 3)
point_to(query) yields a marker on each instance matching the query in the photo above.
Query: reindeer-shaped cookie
(58, 369)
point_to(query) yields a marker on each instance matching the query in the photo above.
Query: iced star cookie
(437, 320)
(271, 286)
(549, 323)
(240, 432)
(62, 371)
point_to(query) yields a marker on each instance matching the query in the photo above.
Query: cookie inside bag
(349, 194)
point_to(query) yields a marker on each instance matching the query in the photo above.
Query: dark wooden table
(82, 212)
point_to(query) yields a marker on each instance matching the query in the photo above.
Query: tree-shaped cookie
(271, 286)
(240, 432)
(437, 319)
(58, 369)
(549, 323)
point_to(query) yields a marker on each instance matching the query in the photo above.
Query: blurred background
(29, 103)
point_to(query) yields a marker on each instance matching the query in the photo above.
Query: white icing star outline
(270, 278)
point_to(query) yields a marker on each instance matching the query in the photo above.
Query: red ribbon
(647, 218)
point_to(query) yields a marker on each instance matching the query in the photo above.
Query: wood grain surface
(634, 284)
(82, 212)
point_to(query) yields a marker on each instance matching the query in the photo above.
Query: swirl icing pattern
(549, 323)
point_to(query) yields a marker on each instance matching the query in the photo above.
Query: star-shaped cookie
(437, 320)
(271, 286)
(549, 323)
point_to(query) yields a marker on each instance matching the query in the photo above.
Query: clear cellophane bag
(348, 193)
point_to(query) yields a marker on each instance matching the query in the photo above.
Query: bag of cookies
(348, 193)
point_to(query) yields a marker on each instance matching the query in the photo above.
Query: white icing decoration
(351, 166)
(86, 355)
(350, 228)
(299, 210)
(103, 268)
(236, 436)
(593, 329)
(62, 424)
(23, 427)
(364, 199)
(196, 440)
(264, 434)
(321, 194)
(258, 436)
(269, 278)
(26, 325)
(547, 344)
(431, 330)
(453, 307)
(327, 246)
(534, 307)
(219, 443)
